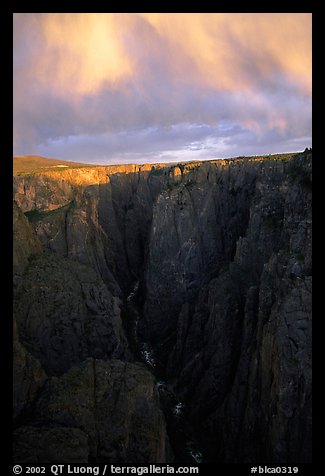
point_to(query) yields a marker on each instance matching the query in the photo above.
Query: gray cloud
(165, 109)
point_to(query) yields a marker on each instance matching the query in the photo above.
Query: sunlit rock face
(97, 216)
(202, 272)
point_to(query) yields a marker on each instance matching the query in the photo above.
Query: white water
(161, 384)
(197, 456)
(147, 356)
(178, 409)
(134, 291)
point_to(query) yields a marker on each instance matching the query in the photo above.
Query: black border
(7, 11)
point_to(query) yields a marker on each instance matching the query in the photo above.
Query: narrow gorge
(162, 313)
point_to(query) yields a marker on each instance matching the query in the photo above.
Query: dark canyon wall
(220, 253)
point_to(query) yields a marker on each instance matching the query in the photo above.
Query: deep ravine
(180, 433)
(188, 288)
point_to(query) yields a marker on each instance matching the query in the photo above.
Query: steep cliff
(115, 408)
(99, 217)
(228, 305)
(106, 410)
(208, 267)
(65, 314)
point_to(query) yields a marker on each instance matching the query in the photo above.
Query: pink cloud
(95, 74)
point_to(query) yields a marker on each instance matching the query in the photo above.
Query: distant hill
(35, 163)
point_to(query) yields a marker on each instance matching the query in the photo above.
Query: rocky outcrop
(221, 252)
(65, 314)
(112, 408)
(46, 192)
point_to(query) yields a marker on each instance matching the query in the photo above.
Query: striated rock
(195, 228)
(65, 314)
(115, 404)
(41, 191)
(235, 330)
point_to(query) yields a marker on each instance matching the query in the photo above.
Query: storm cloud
(109, 88)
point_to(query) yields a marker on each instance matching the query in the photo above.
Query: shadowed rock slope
(218, 255)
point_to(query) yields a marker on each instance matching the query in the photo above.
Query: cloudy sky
(125, 88)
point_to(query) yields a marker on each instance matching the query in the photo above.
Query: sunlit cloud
(104, 83)
(237, 51)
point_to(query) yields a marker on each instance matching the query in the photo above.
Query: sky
(137, 88)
